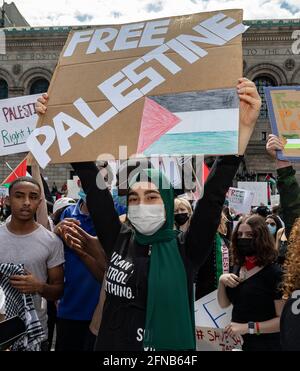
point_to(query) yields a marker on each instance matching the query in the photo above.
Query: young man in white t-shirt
(23, 241)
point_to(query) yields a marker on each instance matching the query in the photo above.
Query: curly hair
(262, 240)
(291, 278)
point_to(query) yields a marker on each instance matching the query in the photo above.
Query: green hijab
(169, 317)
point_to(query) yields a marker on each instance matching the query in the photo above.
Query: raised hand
(41, 104)
(88, 248)
(81, 241)
(274, 144)
(250, 103)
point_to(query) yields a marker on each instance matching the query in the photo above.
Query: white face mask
(147, 219)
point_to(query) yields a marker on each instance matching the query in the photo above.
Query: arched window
(39, 86)
(261, 82)
(3, 89)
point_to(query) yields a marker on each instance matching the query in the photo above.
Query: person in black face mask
(183, 213)
(253, 288)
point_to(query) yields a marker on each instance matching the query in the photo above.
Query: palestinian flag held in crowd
(19, 171)
(271, 182)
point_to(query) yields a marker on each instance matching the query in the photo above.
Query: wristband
(257, 328)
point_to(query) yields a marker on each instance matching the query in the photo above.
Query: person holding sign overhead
(289, 191)
(149, 281)
(253, 289)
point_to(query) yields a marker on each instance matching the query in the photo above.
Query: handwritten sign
(284, 112)
(212, 339)
(158, 87)
(259, 189)
(17, 121)
(240, 200)
(208, 313)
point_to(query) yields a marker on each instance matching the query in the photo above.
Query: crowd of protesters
(120, 275)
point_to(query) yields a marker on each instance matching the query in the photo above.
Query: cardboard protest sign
(73, 188)
(17, 120)
(260, 190)
(216, 339)
(275, 200)
(165, 86)
(17, 172)
(284, 112)
(208, 313)
(240, 200)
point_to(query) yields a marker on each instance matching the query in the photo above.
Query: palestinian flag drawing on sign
(18, 172)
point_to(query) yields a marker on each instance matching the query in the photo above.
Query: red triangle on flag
(206, 172)
(156, 121)
(18, 172)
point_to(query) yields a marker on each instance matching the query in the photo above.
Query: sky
(99, 12)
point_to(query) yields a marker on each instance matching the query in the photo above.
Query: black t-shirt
(290, 325)
(125, 307)
(253, 300)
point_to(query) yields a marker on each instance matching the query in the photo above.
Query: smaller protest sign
(18, 119)
(260, 190)
(275, 200)
(73, 188)
(208, 313)
(240, 200)
(216, 339)
(284, 113)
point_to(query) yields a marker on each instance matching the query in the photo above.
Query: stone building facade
(32, 54)
(269, 60)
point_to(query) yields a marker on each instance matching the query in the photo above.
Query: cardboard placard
(284, 112)
(260, 190)
(240, 200)
(166, 86)
(18, 119)
(216, 339)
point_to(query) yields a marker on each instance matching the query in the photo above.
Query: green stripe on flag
(292, 146)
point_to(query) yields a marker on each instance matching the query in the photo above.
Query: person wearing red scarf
(253, 287)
